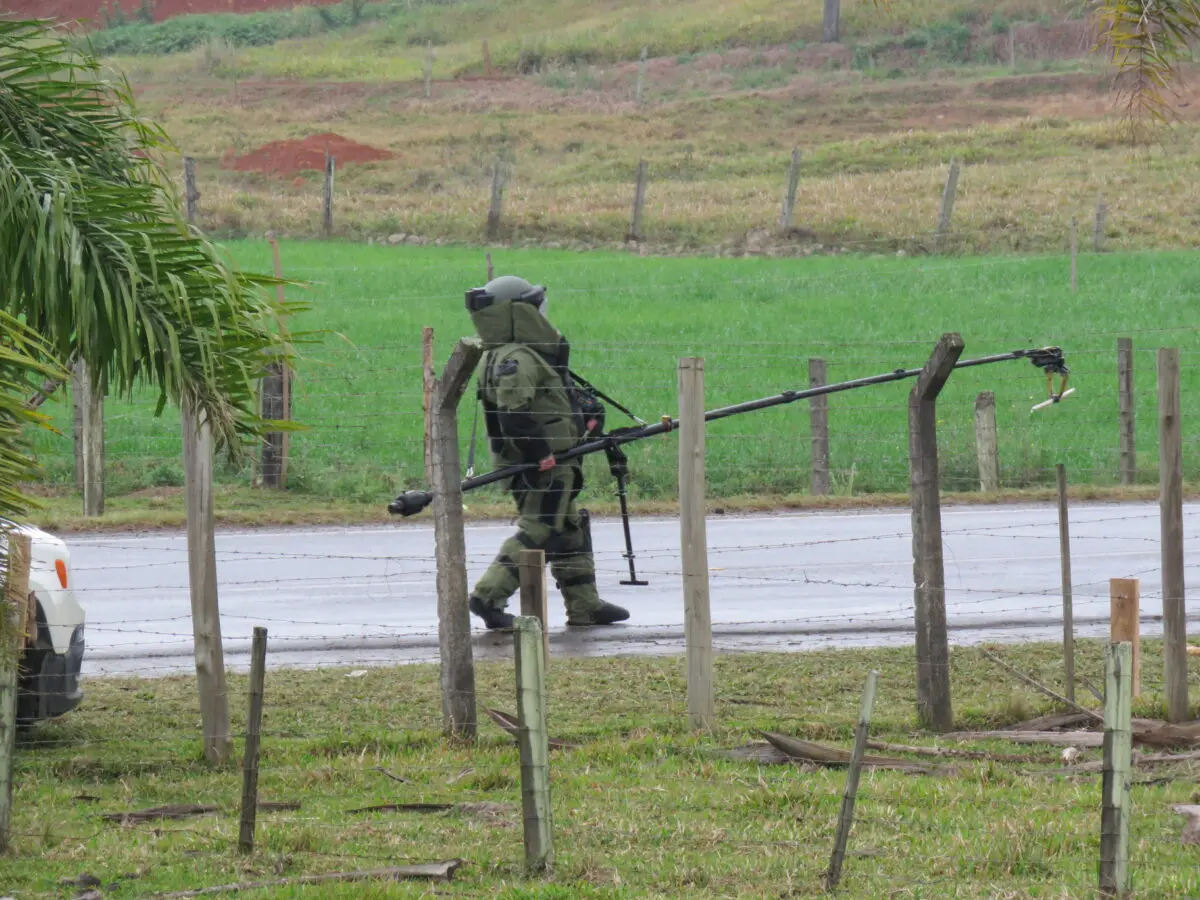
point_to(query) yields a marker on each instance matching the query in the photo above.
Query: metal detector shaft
(412, 502)
(633, 579)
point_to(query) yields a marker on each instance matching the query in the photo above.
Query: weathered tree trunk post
(640, 88)
(834, 874)
(933, 652)
(90, 397)
(534, 741)
(818, 417)
(454, 620)
(532, 566)
(428, 69)
(12, 639)
(639, 203)
(1125, 397)
(202, 571)
(258, 672)
(327, 196)
(947, 210)
(1101, 221)
(694, 541)
(1064, 549)
(832, 24)
(787, 216)
(495, 205)
(1170, 476)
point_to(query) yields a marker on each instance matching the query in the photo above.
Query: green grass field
(756, 322)
(642, 807)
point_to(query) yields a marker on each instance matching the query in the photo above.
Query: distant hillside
(92, 11)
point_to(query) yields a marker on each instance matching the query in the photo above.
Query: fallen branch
(172, 811)
(807, 751)
(1152, 759)
(438, 871)
(1052, 722)
(1054, 738)
(512, 726)
(405, 807)
(1038, 686)
(391, 775)
(278, 805)
(1191, 830)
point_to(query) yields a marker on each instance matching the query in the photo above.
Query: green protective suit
(528, 409)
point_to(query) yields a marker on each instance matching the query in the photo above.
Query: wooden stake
(327, 196)
(428, 69)
(285, 375)
(532, 566)
(258, 670)
(1074, 256)
(450, 547)
(202, 573)
(191, 196)
(487, 59)
(1012, 47)
(697, 615)
(947, 211)
(831, 26)
(534, 741)
(91, 402)
(1064, 550)
(818, 418)
(929, 576)
(1101, 221)
(1125, 397)
(985, 442)
(1118, 771)
(12, 639)
(490, 270)
(641, 78)
(1170, 478)
(789, 199)
(1125, 624)
(639, 202)
(497, 200)
(846, 819)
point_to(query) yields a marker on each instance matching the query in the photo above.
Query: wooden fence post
(191, 196)
(1101, 221)
(276, 401)
(12, 638)
(1074, 255)
(697, 615)
(1170, 478)
(497, 199)
(327, 196)
(258, 672)
(947, 211)
(202, 573)
(831, 26)
(1125, 399)
(818, 418)
(639, 89)
(1012, 47)
(929, 576)
(850, 795)
(534, 742)
(1125, 601)
(639, 202)
(532, 567)
(454, 620)
(787, 216)
(89, 399)
(985, 442)
(1118, 772)
(1064, 550)
(428, 69)
(487, 59)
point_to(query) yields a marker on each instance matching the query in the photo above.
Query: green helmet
(506, 287)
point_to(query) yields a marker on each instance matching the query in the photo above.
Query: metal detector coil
(1051, 361)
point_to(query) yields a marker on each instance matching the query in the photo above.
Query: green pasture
(756, 322)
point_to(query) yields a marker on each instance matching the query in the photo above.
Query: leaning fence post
(1125, 625)
(1064, 548)
(697, 615)
(12, 638)
(641, 78)
(850, 796)
(1125, 400)
(450, 547)
(639, 202)
(947, 211)
(985, 442)
(789, 199)
(929, 576)
(1170, 478)
(818, 417)
(428, 69)
(534, 742)
(1118, 752)
(258, 670)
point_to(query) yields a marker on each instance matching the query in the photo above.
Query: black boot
(604, 614)
(495, 619)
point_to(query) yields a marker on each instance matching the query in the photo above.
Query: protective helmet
(506, 287)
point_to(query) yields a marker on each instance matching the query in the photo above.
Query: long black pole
(412, 502)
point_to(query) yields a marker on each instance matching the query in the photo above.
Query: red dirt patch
(293, 157)
(90, 10)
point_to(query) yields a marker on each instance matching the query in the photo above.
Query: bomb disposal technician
(533, 411)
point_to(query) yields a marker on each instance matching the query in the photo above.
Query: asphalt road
(361, 596)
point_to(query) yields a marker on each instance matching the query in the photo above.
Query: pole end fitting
(410, 503)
